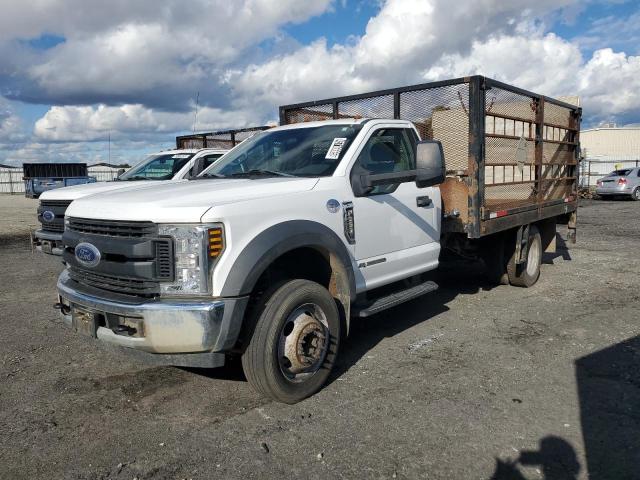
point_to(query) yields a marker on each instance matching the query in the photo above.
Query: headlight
(196, 249)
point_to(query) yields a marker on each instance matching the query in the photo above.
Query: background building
(606, 148)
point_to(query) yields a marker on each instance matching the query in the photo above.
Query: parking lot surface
(470, 382)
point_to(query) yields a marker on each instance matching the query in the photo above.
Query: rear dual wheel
(295, 342)
(526, 274)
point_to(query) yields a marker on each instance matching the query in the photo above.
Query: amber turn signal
(216, 242)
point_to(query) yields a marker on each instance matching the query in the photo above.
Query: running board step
(382, 303)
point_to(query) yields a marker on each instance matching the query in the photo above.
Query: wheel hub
(303, 342)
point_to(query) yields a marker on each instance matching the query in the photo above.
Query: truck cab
(170, 165)
(307, 217)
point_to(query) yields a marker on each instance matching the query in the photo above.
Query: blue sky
(132, 71)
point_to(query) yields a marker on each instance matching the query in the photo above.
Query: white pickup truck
(272, 250)
(167, 165)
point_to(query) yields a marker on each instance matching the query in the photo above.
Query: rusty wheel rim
(303, 342)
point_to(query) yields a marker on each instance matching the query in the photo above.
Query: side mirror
(120, 172)
(430, 163)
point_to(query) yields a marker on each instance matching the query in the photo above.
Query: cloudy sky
(74, 72)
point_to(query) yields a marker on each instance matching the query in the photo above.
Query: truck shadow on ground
(608, 384)
(609, 393)
(562, 251)
(459, 277)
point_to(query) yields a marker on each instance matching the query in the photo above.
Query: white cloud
(412, 42)
(11, 125)
(95, 123)
(140, 64)
(405, 38)
(156, 52)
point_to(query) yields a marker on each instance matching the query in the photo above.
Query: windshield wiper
(136, 177)
(261, 172)
(208, 175)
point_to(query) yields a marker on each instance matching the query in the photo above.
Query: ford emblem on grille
(48, 216)
(87, 254)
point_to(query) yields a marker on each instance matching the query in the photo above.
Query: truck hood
(79, 191)
(182, 202)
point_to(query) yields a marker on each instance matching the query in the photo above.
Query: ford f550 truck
(194, 153)
(273, 249)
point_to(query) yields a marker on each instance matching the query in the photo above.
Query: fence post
(589, 174)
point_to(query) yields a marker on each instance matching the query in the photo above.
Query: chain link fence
(11, 181)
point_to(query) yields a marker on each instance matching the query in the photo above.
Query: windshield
(297, 152)
(620, 173)
(157, 167)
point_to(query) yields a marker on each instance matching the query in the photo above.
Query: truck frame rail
(511, 155)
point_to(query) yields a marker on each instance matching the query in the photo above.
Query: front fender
(277, 240)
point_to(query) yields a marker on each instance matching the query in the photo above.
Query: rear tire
(295, 342)
(635, 195)
(527, 274)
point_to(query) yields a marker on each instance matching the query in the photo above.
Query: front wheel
(295, 342)
(527, 274)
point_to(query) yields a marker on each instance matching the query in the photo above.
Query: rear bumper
(48, 242)
(170, 331)
(621, 190)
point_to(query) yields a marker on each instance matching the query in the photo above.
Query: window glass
(387, 150)
(620, 173)
(158, 167)
(209, 159)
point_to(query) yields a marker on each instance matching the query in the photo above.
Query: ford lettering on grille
(87, 254)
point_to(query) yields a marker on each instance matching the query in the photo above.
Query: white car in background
(170, 165)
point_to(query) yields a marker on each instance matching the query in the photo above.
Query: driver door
(395, 237)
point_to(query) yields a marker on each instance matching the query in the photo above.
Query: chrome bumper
(47, 242)
(162, 326)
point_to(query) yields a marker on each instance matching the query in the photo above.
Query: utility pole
(195, 117)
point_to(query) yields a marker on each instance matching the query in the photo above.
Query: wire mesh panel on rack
(509, 149)
(224, 139)
(370, 107)
(312, 113)
(442, 113)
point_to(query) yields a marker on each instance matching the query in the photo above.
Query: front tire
(295, 342)
(527, 274)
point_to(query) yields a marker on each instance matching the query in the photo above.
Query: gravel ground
(470, 382)
(17, 218)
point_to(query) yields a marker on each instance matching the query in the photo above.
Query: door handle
(423, 202)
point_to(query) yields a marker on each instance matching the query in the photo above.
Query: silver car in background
(625, 181)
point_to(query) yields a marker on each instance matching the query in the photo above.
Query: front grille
(55, 203)
(126, 285)
(58, 207)
(52, 227)
(113, 228)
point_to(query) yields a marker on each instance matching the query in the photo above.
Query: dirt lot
(466, 383)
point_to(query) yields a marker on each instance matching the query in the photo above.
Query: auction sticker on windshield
(181, 155)
(336, 147)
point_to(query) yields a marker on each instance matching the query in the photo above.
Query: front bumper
(47, 242)
(172, 331)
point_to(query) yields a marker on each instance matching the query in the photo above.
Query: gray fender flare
(276, 241)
